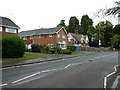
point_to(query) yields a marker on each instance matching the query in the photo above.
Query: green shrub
(12, 47)
(115, 41)
(55, 50)
(35, 48)
(67, 52)
(71, 48)
(28, 50)
(47, 49)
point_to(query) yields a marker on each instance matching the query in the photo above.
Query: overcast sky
(33, 14)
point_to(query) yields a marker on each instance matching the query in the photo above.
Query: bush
(35, 48)
(71, 48)
(55, 50)
(115, 41)
(47, 49)
(67, 52)
(28, 50)
(12, 47)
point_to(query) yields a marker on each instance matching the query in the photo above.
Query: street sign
(99, 42)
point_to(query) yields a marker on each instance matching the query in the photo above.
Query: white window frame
(31, 37)
(11, 30)
(63, 36)
(58, 35)
(24, 38)
(0, 29)
(39, 36)
(50, 35)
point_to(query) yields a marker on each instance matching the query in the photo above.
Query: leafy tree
(62, 23)
(73, 24)
(115, 41)
(104, 32)
(116, 29)
(91, 34)
(114, 11)
(85, 22)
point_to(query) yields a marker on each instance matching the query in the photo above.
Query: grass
(75, 52)
(25, 57)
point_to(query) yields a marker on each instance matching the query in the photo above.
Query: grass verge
(25, 57)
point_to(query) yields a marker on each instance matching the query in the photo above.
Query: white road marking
(26, 77)
(30, 80)
(54, 61)
(105, 82)
(68, 66)
(3, 84)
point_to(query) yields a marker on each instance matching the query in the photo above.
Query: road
(79, 72)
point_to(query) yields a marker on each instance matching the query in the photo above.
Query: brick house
(50, 36)
(8, 27)
(78, 39)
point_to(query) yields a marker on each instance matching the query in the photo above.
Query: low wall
(93, 49)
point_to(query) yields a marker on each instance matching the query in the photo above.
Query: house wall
(4, 33)
(60, 39)
(45, 39)
(28, 40)
(72, 41)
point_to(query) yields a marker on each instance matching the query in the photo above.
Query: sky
(34, 14)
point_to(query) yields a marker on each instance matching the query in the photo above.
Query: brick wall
(46, 39)
(4, 33)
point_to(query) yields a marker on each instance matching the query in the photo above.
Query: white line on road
(26, 77)
(54, 61)
(68, 66)
(3, 84)
(30, 80)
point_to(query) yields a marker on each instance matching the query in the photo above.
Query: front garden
(13, 49)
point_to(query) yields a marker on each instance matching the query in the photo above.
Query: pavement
(39, 60)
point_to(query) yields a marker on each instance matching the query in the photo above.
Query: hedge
(71, 48)
(12, 47)
(35, 48)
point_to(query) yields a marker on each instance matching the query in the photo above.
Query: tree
(62, 23)
(85, 22)
(73, 24)
(115, 41)
(104, 32)
(111, 11)
(91, 34)
(116, 29)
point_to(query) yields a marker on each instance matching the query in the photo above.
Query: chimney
(76, 32)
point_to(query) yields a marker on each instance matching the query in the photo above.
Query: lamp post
(99, 39)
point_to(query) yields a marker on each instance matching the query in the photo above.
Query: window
(0, 29)
(58, 35)
(35, 36)
(51, 45)
(50, 35)
(24, 38)
(63, 36)
(31, 37)
(39, 36)
(11, 30)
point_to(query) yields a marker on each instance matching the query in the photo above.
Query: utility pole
(99, 39)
